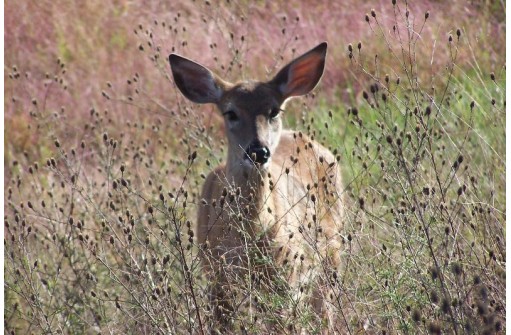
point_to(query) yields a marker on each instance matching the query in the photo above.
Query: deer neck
(255, 197)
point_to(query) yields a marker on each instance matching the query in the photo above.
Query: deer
(274, 210)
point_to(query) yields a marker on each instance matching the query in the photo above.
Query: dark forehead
(251, 95)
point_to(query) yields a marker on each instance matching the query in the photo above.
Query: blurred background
(111, 42)
(104, 159)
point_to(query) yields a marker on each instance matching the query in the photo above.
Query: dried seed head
(361, 202)
(446, 305)
(434, 328)
(426, 16)
(192, 156)
(434, 272)
(482, 308)
(416, 315)
(483, 293)
(373, 13)
(433, 295)
(456, 268)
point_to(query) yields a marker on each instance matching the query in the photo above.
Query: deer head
(251, 109)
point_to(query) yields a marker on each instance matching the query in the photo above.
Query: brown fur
(290, 210)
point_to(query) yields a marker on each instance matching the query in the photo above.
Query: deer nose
(258, 153)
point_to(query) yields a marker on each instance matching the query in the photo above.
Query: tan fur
(289, 211)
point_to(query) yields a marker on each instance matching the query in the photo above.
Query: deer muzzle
(257, 153)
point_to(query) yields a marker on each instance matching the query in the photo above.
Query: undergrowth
(100, 206)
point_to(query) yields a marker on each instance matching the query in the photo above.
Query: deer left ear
(303, 74)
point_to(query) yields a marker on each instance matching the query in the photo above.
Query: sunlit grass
(104, 163)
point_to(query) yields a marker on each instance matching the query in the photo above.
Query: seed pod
(434, 296)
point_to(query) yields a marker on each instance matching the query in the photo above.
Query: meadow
(104, 161)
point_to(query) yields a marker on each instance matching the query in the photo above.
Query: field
(104, 161)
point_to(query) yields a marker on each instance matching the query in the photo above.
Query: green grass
(99, 236)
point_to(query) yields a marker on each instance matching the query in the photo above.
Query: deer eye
(274, 112)
(231, 116)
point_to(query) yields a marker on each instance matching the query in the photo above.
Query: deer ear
(301, 75)
(195, 81)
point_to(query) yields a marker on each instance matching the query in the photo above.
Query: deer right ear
(196, 82)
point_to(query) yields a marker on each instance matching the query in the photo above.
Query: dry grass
(101, 187)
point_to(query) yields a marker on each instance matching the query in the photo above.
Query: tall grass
(104, 162)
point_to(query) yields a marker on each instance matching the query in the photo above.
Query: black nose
(258, 153)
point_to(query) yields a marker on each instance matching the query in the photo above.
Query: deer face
(252, 110)
(252, 114)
